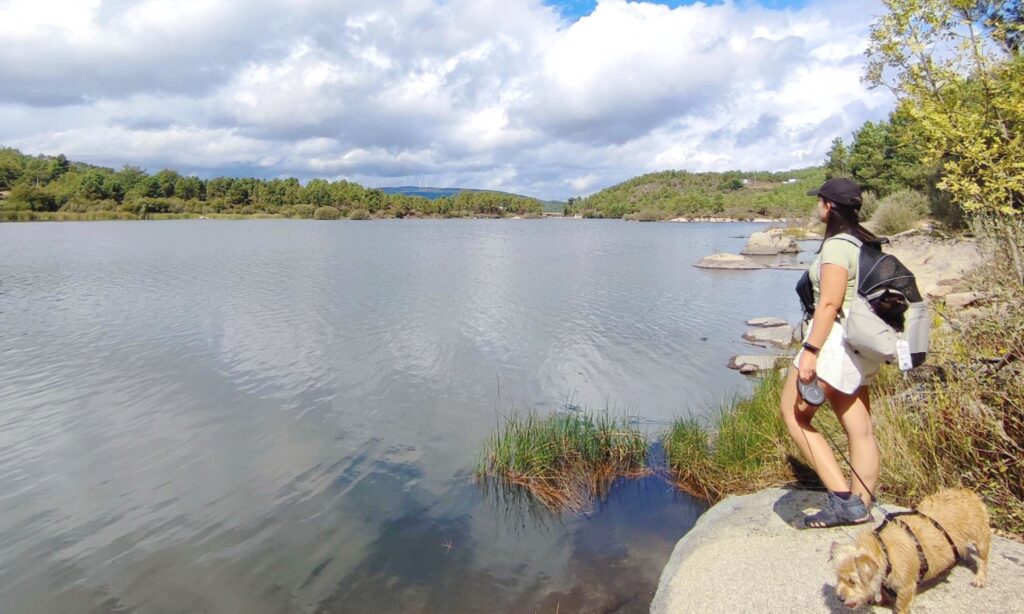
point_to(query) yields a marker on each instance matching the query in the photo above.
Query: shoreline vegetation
(54, 188)
(957, 421)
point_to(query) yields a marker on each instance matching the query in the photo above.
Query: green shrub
(900, 211)
(645, 215)
(890, 219)
(303, 211)
(360, 214)
(326, 213)
(869, 207)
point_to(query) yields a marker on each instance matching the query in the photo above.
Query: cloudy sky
(550, 99)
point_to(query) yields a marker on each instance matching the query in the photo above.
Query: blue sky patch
(574, 9)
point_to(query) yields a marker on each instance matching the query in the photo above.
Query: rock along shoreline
(750, 553)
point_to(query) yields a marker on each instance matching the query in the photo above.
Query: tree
(837, 162)
(317, 193)
(59, 166)
(36, 172)
(128, 176)
(166, 180)
(92, 186)
(957, 64)
(114, 187)
(147, 187)
(868, 159)
(11, 167)
(239, 192)
(189, 188)
(37, 199)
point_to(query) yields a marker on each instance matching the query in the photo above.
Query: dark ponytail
(842, 218)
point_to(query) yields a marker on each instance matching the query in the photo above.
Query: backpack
(887, 315)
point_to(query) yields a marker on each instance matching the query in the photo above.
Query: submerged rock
(776, 335)
(766, 322)
(728, 261)
(755, 363)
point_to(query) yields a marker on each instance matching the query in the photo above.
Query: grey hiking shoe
(838, 512)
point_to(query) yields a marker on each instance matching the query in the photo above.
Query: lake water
(284, 416)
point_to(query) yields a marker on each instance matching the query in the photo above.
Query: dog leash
(874, 499)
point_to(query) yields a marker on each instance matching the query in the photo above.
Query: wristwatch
(812, 349)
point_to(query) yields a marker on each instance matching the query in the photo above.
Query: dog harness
(894, 517)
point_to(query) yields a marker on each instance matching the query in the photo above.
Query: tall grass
(959, 421)
(564, 460)
(744, 448)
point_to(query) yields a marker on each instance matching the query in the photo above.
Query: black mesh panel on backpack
(888, 285)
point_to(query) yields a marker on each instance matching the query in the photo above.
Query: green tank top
(839, 252)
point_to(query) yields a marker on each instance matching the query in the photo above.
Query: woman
(825, 359)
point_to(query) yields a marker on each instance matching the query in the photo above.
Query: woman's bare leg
(854, 413)
(798, 415)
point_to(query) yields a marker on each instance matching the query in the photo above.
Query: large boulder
(728, 261)
(770, 243)
(751, 554)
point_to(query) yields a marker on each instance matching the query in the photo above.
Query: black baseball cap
(841, 191)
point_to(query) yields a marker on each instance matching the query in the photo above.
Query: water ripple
(252, 416)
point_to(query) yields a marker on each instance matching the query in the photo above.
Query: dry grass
(565, 461)
(959, 421)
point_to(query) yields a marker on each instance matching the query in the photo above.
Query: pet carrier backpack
(888, 317)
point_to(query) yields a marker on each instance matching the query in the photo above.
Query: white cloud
(486, 93)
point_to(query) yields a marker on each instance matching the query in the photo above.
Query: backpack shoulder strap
(848, 238)
(852, 240)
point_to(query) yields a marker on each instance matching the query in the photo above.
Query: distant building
(791, 180)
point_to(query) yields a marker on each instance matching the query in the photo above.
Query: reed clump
(564, 460)
(744, 448)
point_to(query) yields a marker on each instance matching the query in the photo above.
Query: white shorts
(838, 365)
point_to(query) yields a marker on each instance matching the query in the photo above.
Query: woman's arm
(830, 301)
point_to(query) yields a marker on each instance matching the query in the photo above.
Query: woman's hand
(808, 366)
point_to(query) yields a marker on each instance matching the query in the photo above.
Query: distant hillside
(430, 193)
(434, 193)
(734, 194)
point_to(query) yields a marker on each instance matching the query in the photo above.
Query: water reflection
(280, 416)
(607, 560)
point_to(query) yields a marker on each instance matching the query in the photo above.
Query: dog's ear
(840, 551)
(867, 566)
(833, 552)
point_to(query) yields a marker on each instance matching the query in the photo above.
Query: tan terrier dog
(913, 547)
